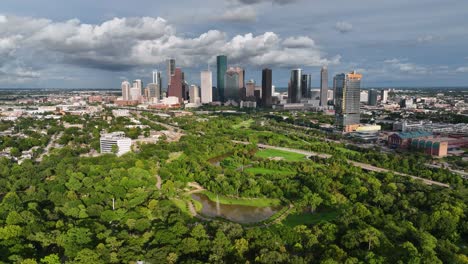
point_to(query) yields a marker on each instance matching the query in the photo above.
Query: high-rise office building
(324, 86)
(295, 89)
(266, 87)
(154, 91)
(157, 77)
(170, 70)
(373, 95)
(241, 73)
(384, 96)
(194, 94)
(175, 88)
(347, 106)
(231, 82)
(221, 63)
(306, 85)
(206, 87)
(125, 90)
(250, 89)
(155, 87)
(135, 93)
(138, 83)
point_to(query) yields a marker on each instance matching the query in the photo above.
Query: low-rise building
(122, 143)
(403, 140)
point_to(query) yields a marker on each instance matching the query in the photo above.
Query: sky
(98, 44)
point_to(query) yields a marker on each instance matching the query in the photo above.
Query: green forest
(108, 209)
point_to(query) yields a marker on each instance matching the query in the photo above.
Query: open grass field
(181, 204)
(310, 218)
(174, 156)
(259, 202)
(284, 155)
(243, 124)
(265, 171)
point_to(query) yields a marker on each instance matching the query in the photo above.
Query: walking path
(158, 182)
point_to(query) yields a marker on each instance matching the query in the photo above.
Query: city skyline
(41, 47)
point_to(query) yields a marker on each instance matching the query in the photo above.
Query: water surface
(236, 213)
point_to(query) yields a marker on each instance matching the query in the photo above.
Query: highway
(463, 174)
(363, 166)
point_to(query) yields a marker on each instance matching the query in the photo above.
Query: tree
(115, 149)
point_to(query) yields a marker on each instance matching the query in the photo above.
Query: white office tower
(206, 87)
(125, 90)
(330, 95)
(135, 93)
(138, 83)
(384, 96)
(364, 96)
(194, 94)
(122, 144)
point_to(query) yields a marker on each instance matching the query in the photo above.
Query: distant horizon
(282, 88)
(98, 44)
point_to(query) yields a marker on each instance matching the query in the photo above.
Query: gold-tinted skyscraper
(347, 89)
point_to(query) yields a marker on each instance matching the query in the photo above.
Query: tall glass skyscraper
(231, 82)
(221, 63)
(324, 86)
(347, 89)
(373, 95)
(295, 86)
(266, 87)
(306, 85)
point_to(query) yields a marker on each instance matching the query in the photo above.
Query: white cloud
(406, 67)
(426, 38)
(462, 69)
(121, 44)
(239, 14)
(299, 42)
(343, 27)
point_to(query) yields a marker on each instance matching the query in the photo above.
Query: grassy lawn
(243, 124)
(310, 218)
(259, 202)
(174, 155)
(285, 155)
(181, 204)
(347, 151)
(265, 171)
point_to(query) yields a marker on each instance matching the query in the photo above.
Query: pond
(236, 213)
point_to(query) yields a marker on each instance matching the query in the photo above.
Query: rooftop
(415, 134)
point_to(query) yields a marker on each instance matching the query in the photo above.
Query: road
(49, 145)
(363, 166)
(463, 174)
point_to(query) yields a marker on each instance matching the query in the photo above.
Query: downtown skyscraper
(155, 86)
(125, 90)
(175, 88)
(306, 85)
(206, 87)
(231, 81)
(324, 86)
(347, 89)
(221, 67)
(266, 87)
(170, 70)
(295, 89)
